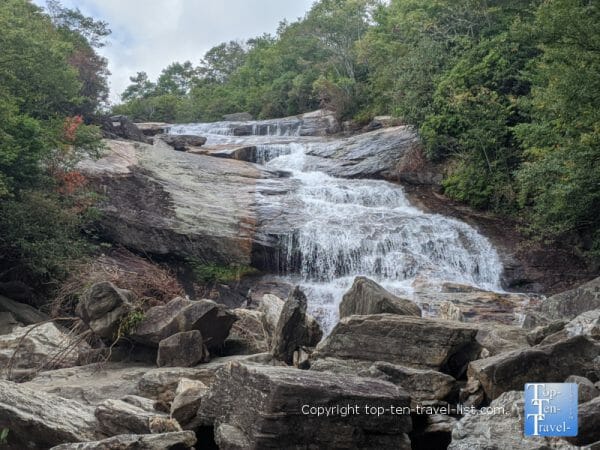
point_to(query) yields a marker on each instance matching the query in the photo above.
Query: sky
(148, 35)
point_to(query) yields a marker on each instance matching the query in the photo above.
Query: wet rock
(41, 420)
(586, 390)
(247, 335)
(188, 398)
(176, 440)
(566, 305)
(367, 297)
(180, 315)
(548, 363)
(23, 313)
(501, 430)
(153, 128)
(182, 350)
(238, 117)
(183, 142)
(103, 306)
(119, 417)
(265, 406)
(404, 340)
(292, 330)
(232, 151)
(36, 348)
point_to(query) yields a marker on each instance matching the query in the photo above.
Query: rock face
(404, 340)
(162, 202)
(41, 420)
(180, 315)
(184, 349)
(292, 331)
(266, 407)
(367, 297)
(183, 142)
(177, 440)
(37, 347)
(566, 305)
(500, 431)
(547, 363)
(120, 127)
(103, 306)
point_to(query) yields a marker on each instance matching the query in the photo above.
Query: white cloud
(148, 35)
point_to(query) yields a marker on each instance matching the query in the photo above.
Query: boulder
(184, 349)
(292, 330)
(547, 363)
(585, 324)
(270, 407)
(586, 390)
(228, 437)
(120, 127)
(588, 419)
(25, 314)
(404, 340)
(176, 440)
(270, 305)
(238, 117)
(247, 335)
(367, 297)
(498, 338)
(153, 128)
(566, 305)
(8, 323)
(538, 334)
(188, 398)
(180, 315)
(119, 417)
(36, 348)
(41, 420)
(183, 142)
(102, 307)
(502, 430)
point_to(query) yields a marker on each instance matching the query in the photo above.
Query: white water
(360, 227)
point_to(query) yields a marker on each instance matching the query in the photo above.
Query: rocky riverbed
(372, 323)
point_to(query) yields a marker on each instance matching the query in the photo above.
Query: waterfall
(356, 227)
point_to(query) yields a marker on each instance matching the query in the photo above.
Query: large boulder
(153, 128)
(119, 417)
(276, 407)
(121, 127)
(500, 430)
(183, 142)
(8, 323)
(188, 397)
(28, 350)
(293, 329)
(367, 297)
(180, 315)
(25, 314)
(247, 335)
(184, 349)
(102, 307)
(585, 324)
(176, 440)
(548, 363)
(566, 305)
(404, 340)
(40, 420)
(588, 418)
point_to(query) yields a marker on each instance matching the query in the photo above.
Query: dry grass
(151, 284)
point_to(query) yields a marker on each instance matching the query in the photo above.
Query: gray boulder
(292, 330)
(188, 397)
(184, 349)
(500, 431)
(539, 333)
(103, 306)
(28, 350)
(548, 363)
(177, 440)
(586, 390)
(183, 142)
(367, 297)
(119, 417)
(25, 314)
(121, 127)
(588, 419)
(247, 335)
(180, 315)
(404, 340)
(269, 407)
(585, 324)
(41, 420)
(8, 323)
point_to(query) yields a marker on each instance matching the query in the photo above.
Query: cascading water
(356, 227)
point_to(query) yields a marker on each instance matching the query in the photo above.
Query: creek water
(354, 227)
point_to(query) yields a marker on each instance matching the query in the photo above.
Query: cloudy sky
(148, 35)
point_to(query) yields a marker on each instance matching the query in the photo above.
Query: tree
(140, 88)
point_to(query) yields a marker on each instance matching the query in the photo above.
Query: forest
(504, 93)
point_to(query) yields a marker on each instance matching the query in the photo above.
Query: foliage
(207, 273)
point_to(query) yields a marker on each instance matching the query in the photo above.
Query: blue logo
(551, 409)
